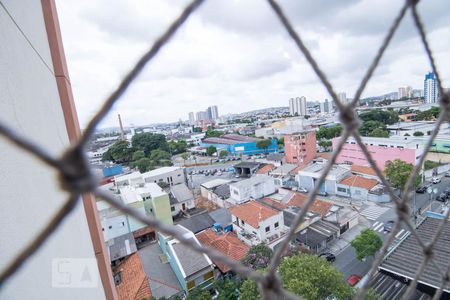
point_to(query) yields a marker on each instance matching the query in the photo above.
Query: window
(103, 229)
(276, 225)
(242, 222)
(235, 192)
(267, 228)
(110, 227)
(341, 189)
(208, 275)
(190, 284)
(172, 208)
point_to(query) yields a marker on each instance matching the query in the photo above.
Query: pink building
(300, 147)
(381, 149)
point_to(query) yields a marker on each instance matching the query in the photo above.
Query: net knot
(349, 118)
(75, 175)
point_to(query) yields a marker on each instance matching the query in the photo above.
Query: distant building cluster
(297, 106)
(210, 114)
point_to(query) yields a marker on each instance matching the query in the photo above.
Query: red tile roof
(359, 181)
(295, 171)
(253, 212)
(134, 283)
(324, 155)
(274, 203)
(227, 243)
(265, 169)
(318, 206)
(363, 170)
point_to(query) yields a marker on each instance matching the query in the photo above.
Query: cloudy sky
(235, 54)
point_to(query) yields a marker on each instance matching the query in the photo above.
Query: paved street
(378, 215)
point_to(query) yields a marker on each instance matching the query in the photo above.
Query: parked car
(324, 194)
(423, 188)
(302, 189)
(328, 256)
(447, 174)
(219, 173)
(353, 279)
(447, 191)
(388, 226)
(436, 180)
(442, 197)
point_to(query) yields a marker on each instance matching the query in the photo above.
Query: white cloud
(236, 55)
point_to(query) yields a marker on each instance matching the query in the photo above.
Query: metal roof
(406, 258)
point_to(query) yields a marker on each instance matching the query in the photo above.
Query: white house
(255, 223)
(309, 176)
(169, 175)
(181, 198)
(216, 191)
(356, 187)
(254, 187)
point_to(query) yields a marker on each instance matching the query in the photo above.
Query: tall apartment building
(191, 118)
(408, 149)
(37, 102)
(342, 97)
(213, 112)
(297, 106)
(300, 147)
(431, 89)
(404, 92)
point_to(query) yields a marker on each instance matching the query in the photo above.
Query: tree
(258, 257)
(137, 155)
(378, 132)
(329, 132)
(120, 152)
(198, 293)
(223, 153)
(280, 141)
(144, 164)
(325, 144)
(148, 141)
(160, 155)
(211, 150)
(367, 243)
(369, 126)
(177, 147)
(384, 117)
(312, 277)
(407, 134)
(418, 133)
(263, 144)
(197, 129)
(397, 173)
(213, 133)
(228, 289)
(429, 164)
(249, 290)
(184, 156)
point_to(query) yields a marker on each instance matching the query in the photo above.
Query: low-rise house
(181, 198)
(317, 235)
(197, 223)
(317, 206)
(309, 177)
(254, 187)
(256, 223)
(130, 279)
(265, 170)
(120, 247)
(226, 242)
(216, 191)
(368, 172)
(282, 174)
(356, 187)
(222, 219)
(168, 175)
(344, 217)
(277, 159)
(191, 268)
(246, 168)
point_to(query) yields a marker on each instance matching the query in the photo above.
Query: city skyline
(246, 61)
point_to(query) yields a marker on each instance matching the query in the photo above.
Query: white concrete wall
(177, 177)
(29, 190)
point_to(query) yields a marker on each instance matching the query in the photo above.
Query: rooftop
(363, 170)
(316, 233)
(247, 164)
(160, 171)
(275, 157)
(223, 191)
(406, 258)
(266, 169)
(180, 193)
(221, 216)
(215, 182)
(253, 212)
(359, 181)
(230, 139)
(121, 246)
(278, 205)
(228, 243)
(251, 181)
(134, 282)
(284, 169)
(198, 222)
(318, 206)
(318, 168)
(190, 261)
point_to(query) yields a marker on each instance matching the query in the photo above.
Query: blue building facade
(236, 145)
(431, 88)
